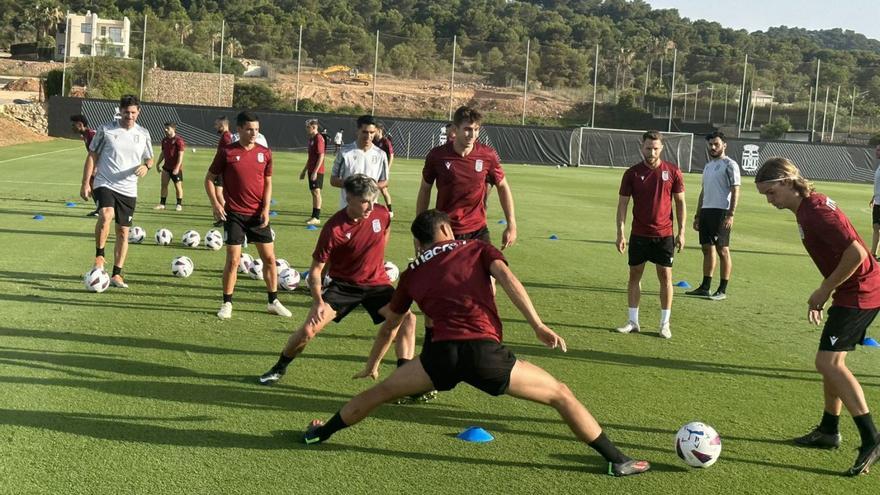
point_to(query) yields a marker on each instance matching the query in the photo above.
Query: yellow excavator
(342, 74)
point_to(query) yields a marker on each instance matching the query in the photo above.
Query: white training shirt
(352, 160)
(120, 152)
(260, 139)
(877, 185)
(719, 175)
(337, 139)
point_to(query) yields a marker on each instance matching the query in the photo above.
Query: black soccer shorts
(238, 227)
(657, 250)
(123, 206)
(483, 364)
(344, 297)
(712, 229)
(845, 327)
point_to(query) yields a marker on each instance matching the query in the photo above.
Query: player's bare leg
(270, 277)
(297, 342)
(120, 252)
(102, 231)
(163, 190)
(664, 276)
(230, 277)
(633, 298)
(875, 238)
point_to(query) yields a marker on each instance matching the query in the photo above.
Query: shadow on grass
(57, 233)
(692, 247)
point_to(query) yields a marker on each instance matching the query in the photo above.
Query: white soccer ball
(281, 264)
(324, 283)
(182, 267)
(193, 150)
(289, 279)
(136, 235)
(256, 269)
(245, 263)
(698, 444)
(392, 271)
(191, 238)
(213, 240)
(96, 280)
(164, 237)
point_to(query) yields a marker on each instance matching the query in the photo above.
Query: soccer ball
(136, 235)
(164, 237)
(256, 269)
(281, 264)
(288, 279)
(698, 444)
(191, 238)
(182, 267)
(96, 280)
(213, 240)
(392, 270)
(324, 283)
(245, 263)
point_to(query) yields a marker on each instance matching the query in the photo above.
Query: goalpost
(622, 147)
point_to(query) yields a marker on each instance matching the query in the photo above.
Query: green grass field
(146, 391)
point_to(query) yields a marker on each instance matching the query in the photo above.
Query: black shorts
(317, 183)
(483, 364)
(657, 250)
(845, 327)
(123, 206)
(712, 230)
(344, 297)
(875, 214)
(239, 227)
(174, 177)
(480, 235)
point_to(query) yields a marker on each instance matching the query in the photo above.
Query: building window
(85, 28)
(85, 49)
(116, 35)
(103, 30)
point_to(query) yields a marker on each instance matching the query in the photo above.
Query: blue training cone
(554, 237)
(502, 222)
(868, 341)
(475, 434)
(39, 217)
(311, 227)
(683, 284)
(273, 202)
(70, 204)
(273, 213)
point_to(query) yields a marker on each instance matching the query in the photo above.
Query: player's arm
(85, 190)
(520, 298)
(853, 256)
(424, 197)
(180, 152)
(505, 195)
(697, 213)
(336, 179)
(319, 307)
(159, 161)
(267, 201)
(734, 200)
(318, 166)
(622, 207)
(680, 213)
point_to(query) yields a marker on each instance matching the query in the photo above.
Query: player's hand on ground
(367, 372)
(85, 192)
(508, 238)
(550, 338)
(679, 242)
(142, 170)
(621, 244)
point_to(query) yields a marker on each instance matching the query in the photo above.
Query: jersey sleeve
(390, 146)
(678, 181)
(489, 254)
(337, 166)
(401, 301)
(733, 174)
(428, 173)
(181, 145)
(148, 147)
(827, 224)
(219, 163)
(97, 142)
(496, 173)
(320, 144)
(324, 246)
(268, 162)
(626, 184)
(383, 171)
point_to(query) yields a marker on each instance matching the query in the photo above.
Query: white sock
(633, 315)
(664, 316)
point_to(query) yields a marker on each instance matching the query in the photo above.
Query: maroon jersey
(316, 149)
(651, 191)
(826, 233)
(355, 250)
(452, 285)
(244, 175)
(172, 148)
(462, 182)
(225, 138)
(385, 145)
(88, 136)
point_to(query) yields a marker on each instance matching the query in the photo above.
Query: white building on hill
(90, 35)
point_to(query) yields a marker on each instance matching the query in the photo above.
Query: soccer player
(315, 169)
(173, 148)
(653, 186)
(360, 157)
(450, 133)
(451, 282)
(246, 169)
(221, 125)
(462, 170)
(119, 154)
(875, 207)
(353, 243)
(80, 125)
(337, 141)
(852, 281)
(714, 217)
(383, 141)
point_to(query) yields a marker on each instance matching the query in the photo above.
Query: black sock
(722, 287)
(707, 282)
(829, 424)
(316, 212)
(272, 296)
(867, 430)
(389, 207)
(99, 252)
(608, 450)
(227, 298)
(330, 427)
(282, 363)
(117, 270)
(179, 201)
(162, 200)
(402, 361)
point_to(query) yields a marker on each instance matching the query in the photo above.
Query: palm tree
(233, 47)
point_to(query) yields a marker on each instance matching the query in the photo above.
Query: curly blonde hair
(782, 169)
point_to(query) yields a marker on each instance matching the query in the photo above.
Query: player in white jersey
(360, 157)
(875, 206)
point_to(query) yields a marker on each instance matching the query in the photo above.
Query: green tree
(254, 96)
(775, 129)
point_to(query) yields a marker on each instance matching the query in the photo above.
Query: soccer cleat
(390, 214)
(92, 213)
(699, 292)
(178, 208)
(867, 456)
(313, 221)
(116, 281)
(818, 440)
(310, 436)
(159, 207)
(628, 468)
(276, 308)
(225, 312)
(665, 332)
(718, 296)
(271, 376)
(417, 399)
(630, 327)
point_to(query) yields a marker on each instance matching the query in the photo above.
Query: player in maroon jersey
(314, 168)
(80, 125)
(173, 149)
(221, 125)
(852, 282)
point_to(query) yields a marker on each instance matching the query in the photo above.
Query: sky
(861, 16)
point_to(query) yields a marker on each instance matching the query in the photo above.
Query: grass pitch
(146, 391)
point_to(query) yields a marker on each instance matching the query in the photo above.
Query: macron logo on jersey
(448, 165)
(428, 255)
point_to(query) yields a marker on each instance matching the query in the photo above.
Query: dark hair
(361, 186)
(716, 134)
(366, 120)
(222, 118)
(245, 117)
(312, 122)
(653, 136)
(171, 125)
(426, 223)
(129, 101)
(80, 118)
(466, 113)
(449, 125)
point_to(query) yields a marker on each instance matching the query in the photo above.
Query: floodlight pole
(452, 79)
(696, 99)
(526, 79)
(834, 122)
(852, 111)
(742, 95)
(222, 51)
(809, 108)
(726, 90)
(711, 99)
(672, 89)
(647, 76)
(772, 101)
(298, 66)
(595, 83)
(816, 98)
(375, 73)
(143, 56)
(825, 112)
(67, 49)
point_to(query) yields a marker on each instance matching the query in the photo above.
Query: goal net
(622, 148)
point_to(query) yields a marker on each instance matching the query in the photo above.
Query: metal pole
(852, 111)
(67, 49)
(526, 80)
(143, 57)
(711, 99)
(834, 122)
(825, 112)
(647, 76)
(752, 101)
(452, 80)
(816, 96)
(726, 89)
(408, 138)
(809, 109)
(595, 83)
(672, 89)
(298, 66)
(375, 73)
(739, 115)
(696, 98)
(685, 104)
(580, 146)
(772, 101)
(222, 51)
